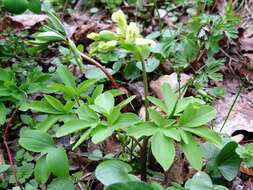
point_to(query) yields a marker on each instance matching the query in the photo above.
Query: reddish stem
(8, 126)
(110, 77)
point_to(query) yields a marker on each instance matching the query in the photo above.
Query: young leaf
(36, 141)
(67, 90)
(164, 156)
(86, 85)
(169, 97)
(34, 6)
(66, 76)
(105, 101)
(62, 184)
(46, 124)
(73, 126)
(196, 116)
(157, 102)
(192, 152)
(57, 162)
(114, 171)
(41, 170)
(142, 129)
(100, 133)
(206, 134)
(54, 103)
(86, 113)
(156, 117)
(83, 137)
(125, 120)
(43, 106)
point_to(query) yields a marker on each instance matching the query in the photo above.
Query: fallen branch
(8, 126)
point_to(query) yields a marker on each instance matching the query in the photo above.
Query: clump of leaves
(246, 153)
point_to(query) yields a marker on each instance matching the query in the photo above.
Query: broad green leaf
(114, 171)
(36, 141)
(97, 91)
(34, 6)
(15, 6)
(114, 115)
(86, 113)
(169, 98)
(61, 184)
(206, 134)
(193, 152)
(172, 133)
(143, 129)
(73, 126)
(55, 103)
(43, 106)
(157, 102)
(100, 133)
(47, 123)
(165, 155)
(184, 102)
(57, 162)
(151, 64)
(196, 116)
(66, 76)
(67, 90)
(41, 170)
(69, 105)
(125, 120)
(156, 117)
(227, 161)
(105, 101)
(86, 85)
(183, 135)
(200, 181)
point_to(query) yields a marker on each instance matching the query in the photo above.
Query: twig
(8, 126)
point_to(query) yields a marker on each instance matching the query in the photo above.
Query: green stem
(232, 106)
(145, 141)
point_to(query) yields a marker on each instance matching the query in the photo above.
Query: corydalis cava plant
(127, 37)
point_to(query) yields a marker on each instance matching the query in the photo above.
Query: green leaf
(227, 161)
(100, 133)
(156, 117)
(200, 181)
(172, 133)
(105, 101)
(157, 102)
(164, 156)
(132, 185)
(49, 37)
(206, 134)
(73, 126)
(193, 152)
(34, 6)
(55, 103)
(86, 113)
(142, 129)
(47, 123)
(183, 103)
(86, 85)
(57, 162)
(83, 137)
(125, 120)
(36, 141)
(151, 64)
(114, 171)
(3, 113)
(62, 184)
(43, 106)
(67, 90)
(196, 116)
(66, 76)
(55, 23)
(125, 102)
(41, 170)
(15, 6)
(169, 97)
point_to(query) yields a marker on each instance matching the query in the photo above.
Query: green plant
(20, 6)
(222, 162)
(246, 153)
